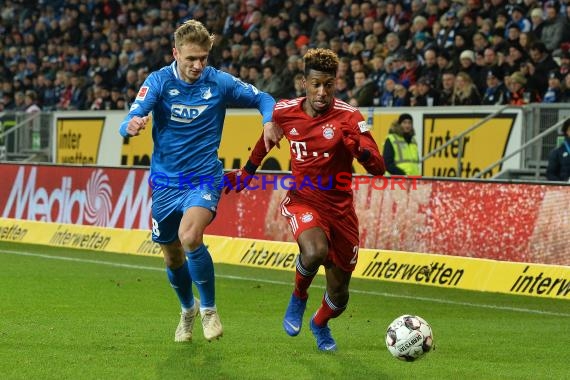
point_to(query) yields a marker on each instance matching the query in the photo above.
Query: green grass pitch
(67, 314)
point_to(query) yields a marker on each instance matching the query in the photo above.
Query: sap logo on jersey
(184, 113)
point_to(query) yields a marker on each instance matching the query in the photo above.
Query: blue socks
(182, 284)
(202, 273)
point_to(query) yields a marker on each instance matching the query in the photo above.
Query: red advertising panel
(515, 222)
(79, 195)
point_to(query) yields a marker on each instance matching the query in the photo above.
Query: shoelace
(208, 315)
(324, 334)
(188, 318)
(298, 305)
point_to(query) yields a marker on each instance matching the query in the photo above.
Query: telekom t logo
(299, 148)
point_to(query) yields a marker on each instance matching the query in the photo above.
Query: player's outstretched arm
(237, 180)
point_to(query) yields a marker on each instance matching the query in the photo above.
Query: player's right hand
(236, 180)
(272, 133)
(136, 125)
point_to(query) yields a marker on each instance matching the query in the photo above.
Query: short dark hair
(540, 46)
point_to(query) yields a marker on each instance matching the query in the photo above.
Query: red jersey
(320, 162)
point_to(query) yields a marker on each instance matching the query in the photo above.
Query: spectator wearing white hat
(467, 65)
(537, 20)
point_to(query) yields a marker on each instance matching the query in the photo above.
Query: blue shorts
(169, 205)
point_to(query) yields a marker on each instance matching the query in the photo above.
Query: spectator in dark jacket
(554, 26)
(446, 91)
(363, 92)
(559, 158)
(496, 93)
(425, 95)
(543, 64)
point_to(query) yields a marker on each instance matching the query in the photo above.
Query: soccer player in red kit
(324, 135)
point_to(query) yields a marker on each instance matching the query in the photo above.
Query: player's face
(191, 60)
(320, 88)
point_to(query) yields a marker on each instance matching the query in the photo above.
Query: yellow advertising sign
(241, 132)
(527, 279)
(482, 147)
(539, 280)
(78, 140)
(137, 151)
(445, 271)
(242, 129)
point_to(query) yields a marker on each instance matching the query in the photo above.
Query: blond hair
(193, 32)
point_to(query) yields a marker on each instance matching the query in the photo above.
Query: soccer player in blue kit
(188, 100)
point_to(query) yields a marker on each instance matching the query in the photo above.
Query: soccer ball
(409, 337)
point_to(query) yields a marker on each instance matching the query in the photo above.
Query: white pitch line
(381, 294)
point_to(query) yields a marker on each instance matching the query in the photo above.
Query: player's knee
(174, 260)
(315, 254)
(191, 239)
(339, 296)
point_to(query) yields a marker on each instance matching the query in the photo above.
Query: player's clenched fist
(136, 124)
(351, 139)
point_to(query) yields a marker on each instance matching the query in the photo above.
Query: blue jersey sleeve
(247, 95)
(144, 102)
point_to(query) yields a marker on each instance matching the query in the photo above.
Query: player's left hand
(237, 180)
(271, 135)
(351, 139)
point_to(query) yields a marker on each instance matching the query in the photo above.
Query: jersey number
(155, 230)
(355, 257)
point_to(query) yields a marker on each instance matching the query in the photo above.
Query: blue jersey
(188, 120)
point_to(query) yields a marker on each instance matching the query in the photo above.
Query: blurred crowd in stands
(94, 54)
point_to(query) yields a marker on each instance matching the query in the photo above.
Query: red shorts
(342, 233)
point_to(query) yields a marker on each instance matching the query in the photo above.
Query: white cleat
(186, 325)
(211, 324)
